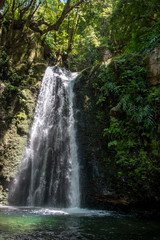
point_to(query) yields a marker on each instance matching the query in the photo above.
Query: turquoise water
(65, 224)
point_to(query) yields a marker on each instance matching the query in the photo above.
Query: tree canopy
(40, 16)
(86, 27)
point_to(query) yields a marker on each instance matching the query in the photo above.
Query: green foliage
(134, 113)
(8, 77)
(133, 28)
(6, 74)
(92, 35)
(3, 63)
(21, 116)
(125, 83)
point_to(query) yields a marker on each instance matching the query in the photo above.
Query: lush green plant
(133, 28)
(8, 76)
(125, 84)
(134, 110)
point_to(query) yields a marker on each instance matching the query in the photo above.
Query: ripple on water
(26, 223)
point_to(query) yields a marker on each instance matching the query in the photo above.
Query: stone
(116, 113)
(2, 87)
(107, 55)
(153, 67)
(21, 68)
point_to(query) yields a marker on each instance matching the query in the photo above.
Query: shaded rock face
(27, 47)
(22, 68)
(154, 67)
(28, 53)
(16, 116)
(91, 143)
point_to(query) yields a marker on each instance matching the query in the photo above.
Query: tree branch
(2, 3)
(73, 32)
(67, 8)
(34, 11)
(25, 9)
(2, 15)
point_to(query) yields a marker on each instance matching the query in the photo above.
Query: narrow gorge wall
(15, 121)
(92, 145)
(22, 66)
(119, 168)
(104, 181)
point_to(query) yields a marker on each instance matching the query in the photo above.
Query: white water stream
(49, 173)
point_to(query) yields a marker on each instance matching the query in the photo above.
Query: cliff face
(105, 181)
(16, 119)
(92, 146)
(22, 65)
(153, 67)
(24, 48)
(118, 147)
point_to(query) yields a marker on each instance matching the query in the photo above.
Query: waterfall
(49, 173)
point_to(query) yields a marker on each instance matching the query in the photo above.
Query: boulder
(153, 66)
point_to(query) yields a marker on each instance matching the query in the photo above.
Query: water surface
(47, 224)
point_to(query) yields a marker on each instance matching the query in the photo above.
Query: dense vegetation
(113, 41)
(132, 133)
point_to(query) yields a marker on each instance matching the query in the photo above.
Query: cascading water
(49, 173)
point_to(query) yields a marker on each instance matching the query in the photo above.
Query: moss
(3, 196)
(21, 68)
(132, 132)
(22, 123)
(26, 93)
(19, 116)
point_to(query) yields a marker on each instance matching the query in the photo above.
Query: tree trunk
(73, 32)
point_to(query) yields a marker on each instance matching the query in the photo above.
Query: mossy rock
(22, 127)
(40, 66)
(21, 68)
(26, 94)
